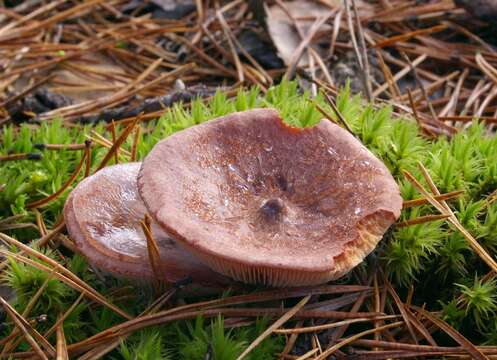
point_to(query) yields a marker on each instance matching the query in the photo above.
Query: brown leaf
(282, 20)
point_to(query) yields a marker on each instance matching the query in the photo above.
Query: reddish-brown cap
(103, 216)
(266, 203)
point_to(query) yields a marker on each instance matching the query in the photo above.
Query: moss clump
(432, 257)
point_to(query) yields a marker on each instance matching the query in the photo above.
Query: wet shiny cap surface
(103, 216)
(263, 202)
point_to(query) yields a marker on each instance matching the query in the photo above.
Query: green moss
(196, 341)
(432, 257)
(26, 280)
(145, 345)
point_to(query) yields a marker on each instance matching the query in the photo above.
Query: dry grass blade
(408, 35)
(307, 355)
(104, 142)
(36, 296)
(453, 221)
(76, 285)
(290, 343)
(270, 295)
(337, 113)
(323, 112)
(99, 351)
(487, 69)
(23, 156)
(26, 91)
(336, 303)
(365, 72)
(50, 235)
(152, 248)
(120, 140)
(61, 319)
(136, 141)
(422, 201)
(11, 219)
(401, 350)
(303, 330)
(351, 30)
(114, 137)
(304, 44)
(451, 106)
(62, 273)
(86, 106)
(88, 145)
(402, 310)
(399, 75)
(55, 195)
(159, 302)
(40, 223)
(117, 98)
(41, 24)
(376, 304)
(166, 316)
(387, 74)
(61, 344)
(355, 308)
(69, 147)
(6, 227)
(420, 348)
(29, 333)
(32, 302)
(421, 86)
(227, 34)
(422, 220)
(332, 349)
(274, 326)
(491, 198)
(336, 31)
(41, 242)
(416, 116)
(449, 330)
(466, 119)
(402, 354)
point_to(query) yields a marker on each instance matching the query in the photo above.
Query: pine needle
(274, 326)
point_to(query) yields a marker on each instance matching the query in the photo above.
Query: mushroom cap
(103, 216)
(263, 202)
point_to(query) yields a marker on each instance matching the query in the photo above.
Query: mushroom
(103, 216)
(263, 202)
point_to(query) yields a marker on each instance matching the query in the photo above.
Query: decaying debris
(150, 105)
(40, 101)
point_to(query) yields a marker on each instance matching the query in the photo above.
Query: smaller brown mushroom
(263, 202)
(103, 216)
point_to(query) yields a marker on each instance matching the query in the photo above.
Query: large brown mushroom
(263, 202)
(103, 216)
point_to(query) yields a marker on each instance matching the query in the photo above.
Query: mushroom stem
(272, 210)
